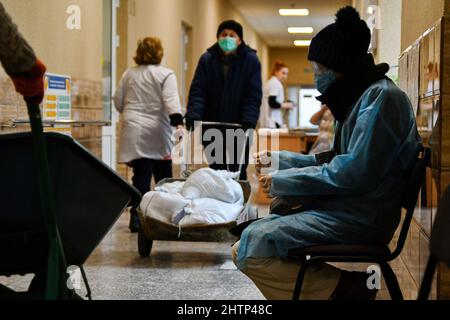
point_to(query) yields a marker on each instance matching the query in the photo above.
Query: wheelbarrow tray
(154, 229)
(89, 199)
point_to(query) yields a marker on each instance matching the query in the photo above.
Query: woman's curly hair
(149, 51)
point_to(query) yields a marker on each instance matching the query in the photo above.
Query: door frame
(109, 132)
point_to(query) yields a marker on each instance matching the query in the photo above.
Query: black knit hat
(342, 43)
(232, 25)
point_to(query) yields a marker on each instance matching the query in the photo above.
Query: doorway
(186, 63)
(309, 105)
(109, 75)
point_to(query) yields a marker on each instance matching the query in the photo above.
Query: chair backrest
(415, 183)
(440, 236)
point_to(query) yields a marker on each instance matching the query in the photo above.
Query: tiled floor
(174, 271)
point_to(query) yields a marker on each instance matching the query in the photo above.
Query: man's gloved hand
(190, 124)
(30, 84)
(248, 126)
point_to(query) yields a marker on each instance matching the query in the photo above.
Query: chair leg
(300, 280)
(391, 282)
(427, 281)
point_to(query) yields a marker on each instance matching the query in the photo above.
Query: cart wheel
(144, 245)
(186, 174)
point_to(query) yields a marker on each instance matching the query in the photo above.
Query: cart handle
(223, 124)
(186, 173)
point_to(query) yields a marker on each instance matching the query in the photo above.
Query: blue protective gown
(360, 190)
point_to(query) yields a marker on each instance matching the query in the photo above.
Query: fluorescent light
(302, 43)
(294, 12)
(301, 30)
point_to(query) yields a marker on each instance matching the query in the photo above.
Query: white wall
(388, 35)
(74, 52)
(389, 41)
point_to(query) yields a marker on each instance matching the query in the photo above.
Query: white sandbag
(218, 185)
(172, 187)
(210, 212)
(162, 206)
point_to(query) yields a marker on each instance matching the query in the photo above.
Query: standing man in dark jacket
(227, 88)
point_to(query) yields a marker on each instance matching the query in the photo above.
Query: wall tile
(86, 105)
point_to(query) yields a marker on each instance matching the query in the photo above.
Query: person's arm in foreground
(19, 61)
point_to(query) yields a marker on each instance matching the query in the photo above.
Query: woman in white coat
(148, 98)
(274, 98)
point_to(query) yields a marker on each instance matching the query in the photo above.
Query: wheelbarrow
(154, 230)
(58, 203)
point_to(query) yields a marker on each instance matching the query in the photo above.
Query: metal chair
(440, 250)
(363, 253)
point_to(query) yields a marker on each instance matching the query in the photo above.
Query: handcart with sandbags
(155, 229)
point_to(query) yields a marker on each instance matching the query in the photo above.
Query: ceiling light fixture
(302, 43)
(302, 30)
(294, 12)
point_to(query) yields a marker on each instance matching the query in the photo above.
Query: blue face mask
(324, 80)
(228, 44)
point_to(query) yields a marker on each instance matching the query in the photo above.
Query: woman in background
(274, 99)
(148, 98)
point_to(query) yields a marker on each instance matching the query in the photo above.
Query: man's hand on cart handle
(190, 124)
(30, 84)
(248, 126)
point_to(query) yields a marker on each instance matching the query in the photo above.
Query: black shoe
(135, 223)
(353, 286)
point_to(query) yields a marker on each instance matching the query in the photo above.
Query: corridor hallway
(90, 44)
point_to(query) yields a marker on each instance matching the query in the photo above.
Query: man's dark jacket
(235, 98)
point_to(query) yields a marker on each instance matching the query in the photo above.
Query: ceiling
(263, 16)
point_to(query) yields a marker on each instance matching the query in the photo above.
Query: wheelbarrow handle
(57, 265)
(41, 163)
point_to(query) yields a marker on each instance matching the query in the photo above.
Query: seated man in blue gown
(350, 195)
